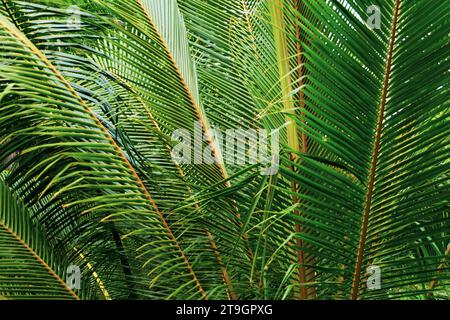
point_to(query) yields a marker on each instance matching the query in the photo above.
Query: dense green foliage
(90, 97)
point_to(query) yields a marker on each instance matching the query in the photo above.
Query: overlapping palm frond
(89, 178)
(87, 113)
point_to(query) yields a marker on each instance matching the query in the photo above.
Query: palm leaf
(86, 123)
(28, 268)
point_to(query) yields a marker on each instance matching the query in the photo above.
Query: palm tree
(91, 92)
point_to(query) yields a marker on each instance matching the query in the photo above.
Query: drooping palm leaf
(97, 174)
(28, 269)
(87, 114)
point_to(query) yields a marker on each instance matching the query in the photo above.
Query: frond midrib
(374, 157)
(26, 42)
(194, 103)
(39, 260)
